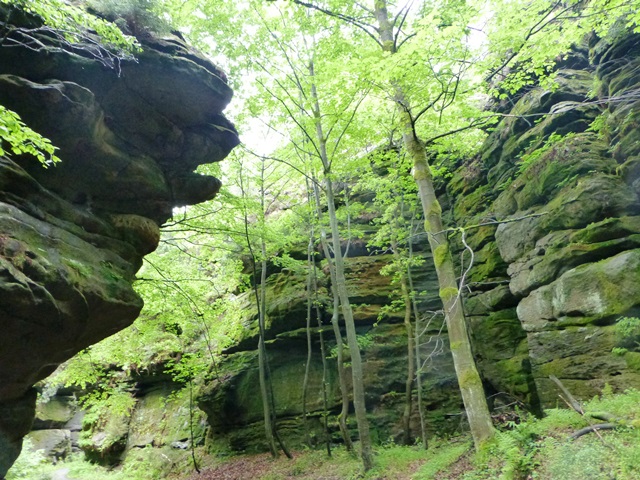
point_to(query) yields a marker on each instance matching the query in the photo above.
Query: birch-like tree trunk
(341, 289)
(471, 388)
(411, 362)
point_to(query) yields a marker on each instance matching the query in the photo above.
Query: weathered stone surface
(160, 420)
(573, 270)
(55, 443)
(57, 412)
(594, 197)
(73, 236)
(589, 293)
(234, 408)
(560, 251)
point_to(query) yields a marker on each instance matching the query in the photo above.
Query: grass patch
(440, 458)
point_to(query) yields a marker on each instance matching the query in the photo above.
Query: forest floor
(525, 448)
(392, 463)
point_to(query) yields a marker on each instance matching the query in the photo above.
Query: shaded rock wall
(571, 266)
(73, 236)
(234, 409)
(546, 288)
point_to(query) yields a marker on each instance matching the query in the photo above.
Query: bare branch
(365, 27)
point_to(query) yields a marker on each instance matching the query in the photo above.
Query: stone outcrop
(571, 262)
(73, 236)
(546, 290)
(547, 285)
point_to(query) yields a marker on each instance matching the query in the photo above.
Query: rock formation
(73, 236)
(548, 283)
(547, 286)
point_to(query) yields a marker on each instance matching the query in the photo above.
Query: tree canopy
(382, 99)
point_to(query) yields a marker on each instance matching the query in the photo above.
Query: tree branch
(365, 27)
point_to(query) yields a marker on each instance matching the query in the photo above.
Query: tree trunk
(323, 353)
(408, 403)
(335, 323)
(352, 340)
(473, 396)
(305, 382)
(341, 289)
(475, 402)
(262, 352)
(418, 357)
(262, 372)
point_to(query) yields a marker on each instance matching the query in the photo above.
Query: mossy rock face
(365, 283)
(105, 440)
(515, 135)
(162, 417)
(234, 406)
(593, 198)
(498, 335)
(54, 443)
(488, 264)
(72, 237)
(561, 164)
(54, 413)
(560, 251)
(162, 462)
(489, 301)
(589, 293)
(580, 357)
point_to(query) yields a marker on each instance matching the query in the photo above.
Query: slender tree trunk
(341, 288)
(473, 396)
(264, 375)
(418, 357)
(262, 352)
(323, 353)
(406, 298)
(352, 340)
(263, 304)
(305, 382)
(408, 404)
(262, 371)
(335, 323)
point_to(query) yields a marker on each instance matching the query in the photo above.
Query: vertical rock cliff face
(567, 266)
(547, 286)
(73, 236)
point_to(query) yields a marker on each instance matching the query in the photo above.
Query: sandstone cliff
(547, 285)
(73, 236)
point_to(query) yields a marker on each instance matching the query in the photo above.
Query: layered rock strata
(553, 281)
(553, 217)
(72, 236)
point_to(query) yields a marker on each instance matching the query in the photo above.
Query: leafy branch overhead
(20, 139)
(58, 25)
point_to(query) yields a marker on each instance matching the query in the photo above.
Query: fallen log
(594, 428)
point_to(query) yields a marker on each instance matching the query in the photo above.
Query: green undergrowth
(543, 448)
(527, 448)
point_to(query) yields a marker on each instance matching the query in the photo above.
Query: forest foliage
(319, 95)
